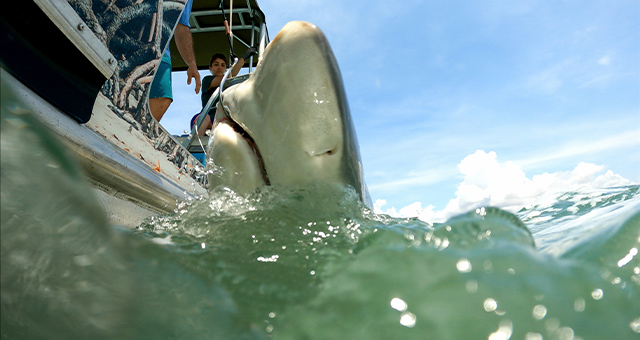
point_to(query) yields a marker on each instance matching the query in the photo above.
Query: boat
(85, 68)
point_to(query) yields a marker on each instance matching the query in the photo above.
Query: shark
(289, 123)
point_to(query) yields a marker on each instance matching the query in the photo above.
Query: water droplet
(566, 333)
(399, 304)
(635, 325)
(533, 336)
(625, 260)
(579, 305)
(539, 312)
(464, 266)
(472, 286)
(552, 324)
(490, 305)
(597, 294)
(272, 258)
(408, 319)
(505, 329)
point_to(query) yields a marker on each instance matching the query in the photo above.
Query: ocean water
(305, 263)
(303, 270)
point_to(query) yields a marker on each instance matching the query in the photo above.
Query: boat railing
(213, 101)
(263, 41)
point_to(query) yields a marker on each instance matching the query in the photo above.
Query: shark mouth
(224, 118)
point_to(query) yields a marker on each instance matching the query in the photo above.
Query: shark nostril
(330, 152)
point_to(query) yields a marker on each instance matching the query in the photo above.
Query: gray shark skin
(289, 123)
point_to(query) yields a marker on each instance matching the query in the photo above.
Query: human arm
(184, 42)
(215, 82)
(236, 69)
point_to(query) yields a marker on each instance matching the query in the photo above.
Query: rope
(231, 25)
(233, 56)
(227, 28)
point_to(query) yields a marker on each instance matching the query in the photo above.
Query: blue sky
(460, 103)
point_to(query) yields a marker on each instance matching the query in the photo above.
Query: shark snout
(295, 111)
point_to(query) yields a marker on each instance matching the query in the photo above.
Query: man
(160, 96)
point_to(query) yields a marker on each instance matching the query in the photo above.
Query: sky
(458, 104)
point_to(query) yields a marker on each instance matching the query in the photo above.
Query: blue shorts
(161, 85)
(193, 120)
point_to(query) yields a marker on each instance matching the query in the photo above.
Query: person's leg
(160, 95)
(159, 106)
(206, 125)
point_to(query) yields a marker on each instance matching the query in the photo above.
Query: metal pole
(263, 43)
(253, 26)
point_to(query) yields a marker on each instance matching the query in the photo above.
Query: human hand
(250, 51)
(192, 72)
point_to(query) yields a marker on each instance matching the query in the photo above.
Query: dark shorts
(161, 85)
(193, 120)
(212, 115)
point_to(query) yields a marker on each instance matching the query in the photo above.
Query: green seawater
(300, 266)
(310, 263)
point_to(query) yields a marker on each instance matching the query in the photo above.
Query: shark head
(289, 123)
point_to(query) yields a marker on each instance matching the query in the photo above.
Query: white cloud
(489, 183)
(377, 208)
(606, 60)
(579, 147)
(413, 179)
(550, 80)
(412, 210)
